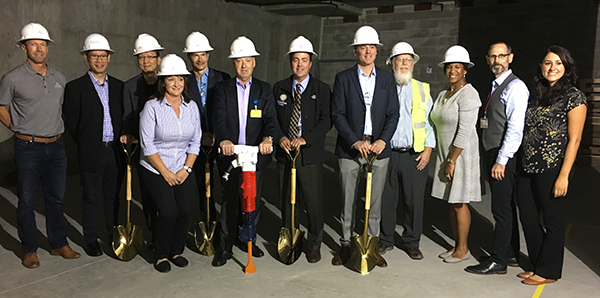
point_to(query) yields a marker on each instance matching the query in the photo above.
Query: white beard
(402, 78)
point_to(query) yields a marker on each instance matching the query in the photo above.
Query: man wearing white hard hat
(411, 146)
(170, 136)
(501, 134)
(365, 112)
(31, 96)
(302, 105)
(136, 91)
(200, 86)
(93, 112)
(244, 114)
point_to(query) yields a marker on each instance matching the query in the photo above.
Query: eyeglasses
(146, 57)
(403, 60)
(500, 56)
(98, 57)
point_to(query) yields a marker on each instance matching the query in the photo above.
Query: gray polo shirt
(34, 101)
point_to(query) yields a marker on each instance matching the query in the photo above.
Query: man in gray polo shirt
(31, 96)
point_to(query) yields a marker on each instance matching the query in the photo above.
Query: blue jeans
(47, 162)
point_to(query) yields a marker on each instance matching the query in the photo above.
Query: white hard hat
(301, 44)
(402, 48)
(457, 54)
(34, 31)
(172, 65)
(146, 43)
(96, 42)
(366, 35)
(242, 47)
(197, 42)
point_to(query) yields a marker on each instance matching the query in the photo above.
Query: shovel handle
(368, 192)
(293, 187)
(207, 179)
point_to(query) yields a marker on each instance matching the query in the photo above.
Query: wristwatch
(187, 169)
(449, 160)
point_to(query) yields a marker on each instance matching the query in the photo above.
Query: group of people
(186, 119)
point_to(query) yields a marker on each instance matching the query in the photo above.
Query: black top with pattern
(545, 133)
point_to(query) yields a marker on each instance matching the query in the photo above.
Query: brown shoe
(384, 248)
(342, 257)
(381, 262)
(530, 281)
(65, 252)
(31, 260)
(313, 256)
(415, 253)
(526, 274)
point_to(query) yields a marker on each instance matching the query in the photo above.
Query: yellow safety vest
(420, 97)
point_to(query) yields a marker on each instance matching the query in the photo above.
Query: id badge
(255, 113)
(483, 123)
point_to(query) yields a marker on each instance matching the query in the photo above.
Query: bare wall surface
(70, 21)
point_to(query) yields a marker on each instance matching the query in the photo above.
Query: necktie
(294, 130)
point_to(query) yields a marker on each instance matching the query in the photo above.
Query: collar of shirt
(96, 81)
(49, 70)
(362, 74)
(165, 102)
(303, 84)
(400, 88)
(204, 77)
(499, 80)
(240, 85)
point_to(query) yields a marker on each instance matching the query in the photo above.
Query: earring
(464, 76)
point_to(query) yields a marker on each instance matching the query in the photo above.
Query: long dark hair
(160, 90)
(546, 95)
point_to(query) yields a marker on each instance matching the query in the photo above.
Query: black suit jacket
(348, 111)
(214, 76)
(226, 119)
(84, 117)
(316, 119)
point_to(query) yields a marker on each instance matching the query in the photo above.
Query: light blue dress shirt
(515, 96)
(202, 86)
(367, 86)
(403, 136)
(171, 137)
(303, 85)
(243, 95)
(102, 90)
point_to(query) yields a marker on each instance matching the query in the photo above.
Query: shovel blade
(289, 246)
(203, 236)
(365, 253)
(127, 241)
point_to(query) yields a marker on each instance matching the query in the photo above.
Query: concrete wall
(70, 21)
(430, 32)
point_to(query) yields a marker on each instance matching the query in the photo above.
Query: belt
(368, 138)
(402, 150)
(107, 144)
(35, 139)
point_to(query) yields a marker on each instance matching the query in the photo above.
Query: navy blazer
(226, 120)
(214, 76)
(348, 111)
(84, 117)
(316, 118)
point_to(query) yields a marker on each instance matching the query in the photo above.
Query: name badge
(255, 113)
(483, 123)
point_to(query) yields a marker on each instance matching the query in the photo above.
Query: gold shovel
(204, 232)
(289, 245)
(127, 239)
(365, 251)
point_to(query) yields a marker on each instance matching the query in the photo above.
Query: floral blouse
(545, 133)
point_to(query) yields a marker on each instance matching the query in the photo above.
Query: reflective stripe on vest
(420, 96)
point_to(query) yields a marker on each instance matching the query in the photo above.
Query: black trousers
(309, 187)
(403, 175)
(174, 205)
(200, 170)
(546, 238)
(100, 187)
(231, 209)
(506, 230)
(148, 206)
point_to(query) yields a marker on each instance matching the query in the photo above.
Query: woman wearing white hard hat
(170, 139)
(456, 177)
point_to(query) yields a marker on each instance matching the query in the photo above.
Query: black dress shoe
(179, 261)
(342, 257)
(487, 267)
(313, 256)
(93, 249)
(414, 253)
(384, 248)
(162, 267)
(512, 262)
(256, 252)
(221, 258)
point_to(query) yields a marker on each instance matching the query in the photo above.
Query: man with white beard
(411, 145)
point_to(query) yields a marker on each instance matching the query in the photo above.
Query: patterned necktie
(294, 130)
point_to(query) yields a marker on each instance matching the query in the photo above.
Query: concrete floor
(105, 276)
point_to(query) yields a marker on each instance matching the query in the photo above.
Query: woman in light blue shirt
(170, 138)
